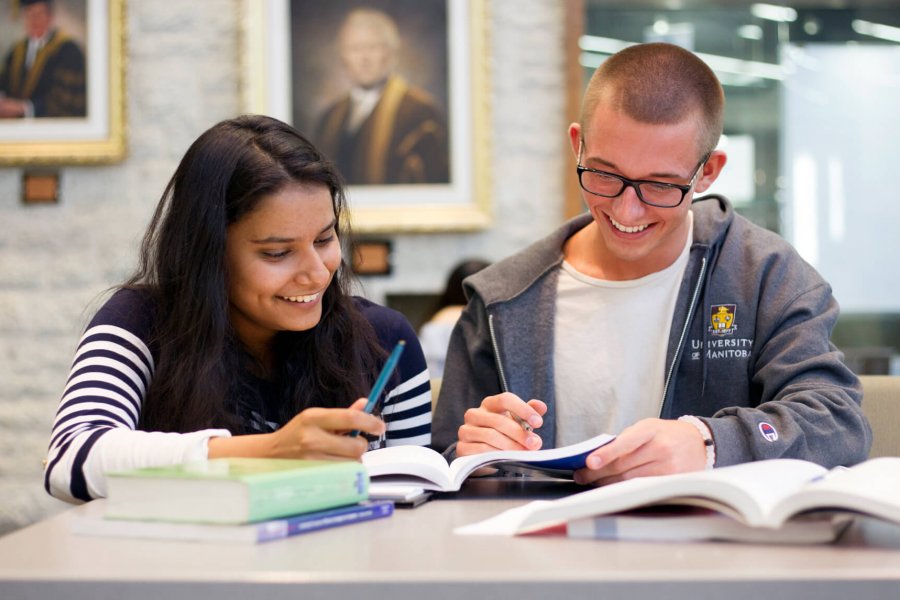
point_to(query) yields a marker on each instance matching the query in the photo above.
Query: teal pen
(388, 368)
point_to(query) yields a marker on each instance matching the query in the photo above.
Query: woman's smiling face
(281, 258)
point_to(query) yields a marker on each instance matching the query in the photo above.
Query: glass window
(811, 130)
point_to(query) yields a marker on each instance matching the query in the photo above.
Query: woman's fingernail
(594, 462)
(535, 421)
(532, 441)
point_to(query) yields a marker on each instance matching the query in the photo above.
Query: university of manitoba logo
(721, 318)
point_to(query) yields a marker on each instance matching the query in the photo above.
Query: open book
(417, 465)
(765, 493)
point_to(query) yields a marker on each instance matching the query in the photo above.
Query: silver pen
(522, 422)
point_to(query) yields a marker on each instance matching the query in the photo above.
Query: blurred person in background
(434, 335)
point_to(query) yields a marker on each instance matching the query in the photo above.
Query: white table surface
(415, 554)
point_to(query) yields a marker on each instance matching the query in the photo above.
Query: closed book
(691, 524)
(250, 533)
(234, 490)
(403, 496)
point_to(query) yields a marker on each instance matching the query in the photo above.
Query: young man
(697, 337)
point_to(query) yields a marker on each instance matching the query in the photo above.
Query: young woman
(236, 336)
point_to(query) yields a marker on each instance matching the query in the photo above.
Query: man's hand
(649, 447)
(492, 426)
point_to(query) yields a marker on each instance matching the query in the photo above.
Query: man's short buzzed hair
(659, 83)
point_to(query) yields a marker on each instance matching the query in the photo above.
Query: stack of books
(240, 500)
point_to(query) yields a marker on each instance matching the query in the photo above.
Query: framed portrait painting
(61, 82)
(393, 91)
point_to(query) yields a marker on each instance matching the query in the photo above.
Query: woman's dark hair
(453, 293)
(200, 374)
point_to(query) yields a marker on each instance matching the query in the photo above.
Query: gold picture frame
(97, 138)
(274, 63)
(575, 83)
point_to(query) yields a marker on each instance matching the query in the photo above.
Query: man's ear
(711, 170)
(575, 138)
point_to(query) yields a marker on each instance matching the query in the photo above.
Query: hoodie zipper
(684, 331)
(497, 353)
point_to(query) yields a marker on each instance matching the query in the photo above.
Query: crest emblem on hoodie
(722, 319)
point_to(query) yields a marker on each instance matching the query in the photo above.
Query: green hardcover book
(234, 490)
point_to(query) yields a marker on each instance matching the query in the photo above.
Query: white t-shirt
(610, 341)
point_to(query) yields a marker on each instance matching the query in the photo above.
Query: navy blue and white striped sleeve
(94, 431)
(407, 408)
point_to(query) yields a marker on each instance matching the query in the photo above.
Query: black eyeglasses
(654, 193)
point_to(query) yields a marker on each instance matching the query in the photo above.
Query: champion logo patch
(768, 431)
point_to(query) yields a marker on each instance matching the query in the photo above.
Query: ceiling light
(771, 12)
(602, 45)
(720, 64)
(750, 32)
(884, 32)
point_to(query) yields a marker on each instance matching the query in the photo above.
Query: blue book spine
(569, 463)
(335, 517)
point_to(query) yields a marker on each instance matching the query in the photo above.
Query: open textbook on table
(766, 494)
(405, 465)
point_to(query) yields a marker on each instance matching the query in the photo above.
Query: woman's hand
(492, 426)
(315, 433)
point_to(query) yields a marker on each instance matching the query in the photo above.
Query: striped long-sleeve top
(95, 430)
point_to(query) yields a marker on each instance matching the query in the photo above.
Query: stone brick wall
(183, 76)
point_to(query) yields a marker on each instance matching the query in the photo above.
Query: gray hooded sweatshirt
(749, 350)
